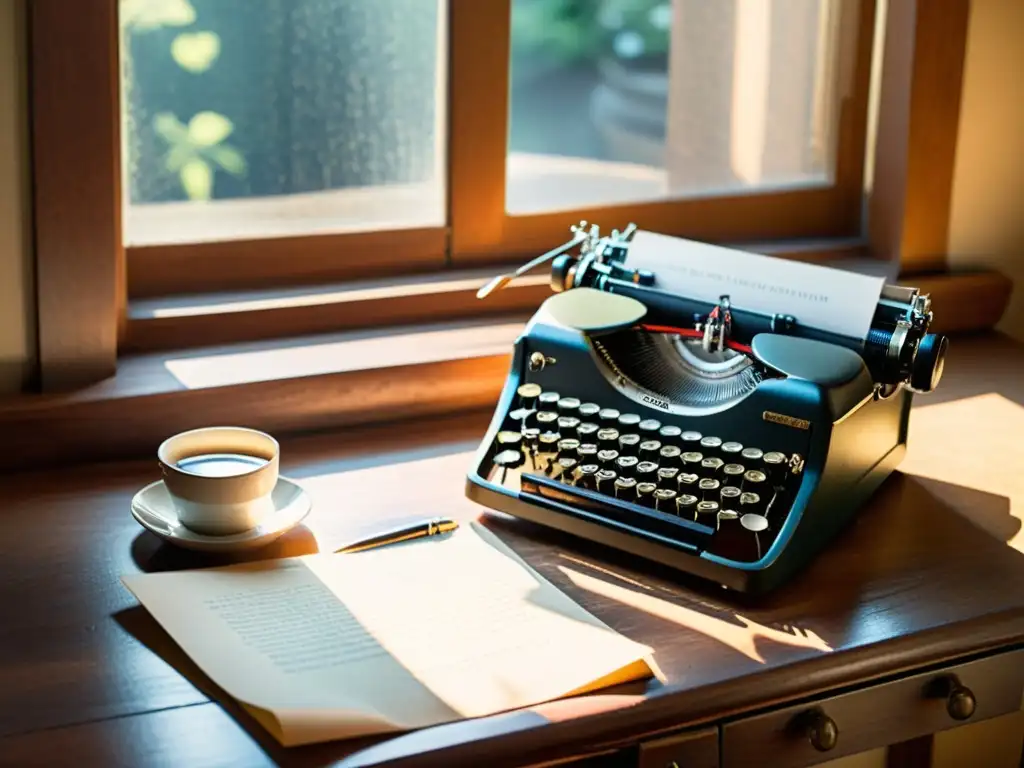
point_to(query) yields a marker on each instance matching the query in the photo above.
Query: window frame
(482, 230)
(82, 287)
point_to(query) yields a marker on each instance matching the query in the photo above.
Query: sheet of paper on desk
(333, 646)
(833, 300)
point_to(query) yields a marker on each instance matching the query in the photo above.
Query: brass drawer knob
(960, 701)
(821, 730)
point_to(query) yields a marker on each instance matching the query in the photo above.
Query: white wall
(987, 226)
(17, 296)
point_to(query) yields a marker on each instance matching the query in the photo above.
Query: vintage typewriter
(719, 441)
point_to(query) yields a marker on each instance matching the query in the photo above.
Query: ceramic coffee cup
(220, 478)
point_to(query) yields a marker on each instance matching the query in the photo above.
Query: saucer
(154, 510)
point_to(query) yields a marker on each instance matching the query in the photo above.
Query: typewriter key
(750, 503)
(587, 453)
(710, 445)
(566, 469)
(752, 456)
(628, 443)
(520, 415)
(548, 401)
(546, 419)
(588, 411)
(606, 481)
(710, 466)
(508, 460)
(708, 489)
(625, 488)
(649, 426)
(733, 473)
(667, 477)
(691, 438)
(567, 447)
(775, 467)
(586, 476)
(731, 451)
(626, 465)
(608, 416)
(691, 461)
(649, 449)
(547, 446)
(670, 432)
(664, 499)
(606, 458)
(587, 432)
(686, 482)
(726, 516)
(509, 439)
(645, 493)
(729, 495)
(568, 425)
(528, 394)
(567, 406)
(754, 480)
(608, 437)
(669, 455)
(628, 420)
(707, 510)
(686, 505)
(647, 471)
(755, 524)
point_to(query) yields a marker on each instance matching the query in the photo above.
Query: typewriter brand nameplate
(786, 421)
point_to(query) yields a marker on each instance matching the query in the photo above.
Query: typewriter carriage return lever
(722, 442)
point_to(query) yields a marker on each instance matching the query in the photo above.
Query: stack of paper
(339, 645)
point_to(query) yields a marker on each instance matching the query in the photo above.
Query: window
(621, 102)
(728, 121)
(252, 118)
(257, 144)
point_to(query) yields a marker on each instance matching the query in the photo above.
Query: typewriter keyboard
(705, 490)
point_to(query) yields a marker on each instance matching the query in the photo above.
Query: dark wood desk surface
(930, 571)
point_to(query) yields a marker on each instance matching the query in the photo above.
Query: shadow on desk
(151, 554)
(865, 585)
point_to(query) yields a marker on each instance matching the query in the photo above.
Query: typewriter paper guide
(832, 300)
(329, 646)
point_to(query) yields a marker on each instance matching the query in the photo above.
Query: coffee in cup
(220, 478)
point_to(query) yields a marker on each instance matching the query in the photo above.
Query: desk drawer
(877, 716)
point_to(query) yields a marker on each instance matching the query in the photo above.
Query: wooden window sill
(301, 384)
(314, 379)
(175, 322)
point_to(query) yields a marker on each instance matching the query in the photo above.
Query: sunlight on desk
(348, 352)
(741, 636)
(973, 443)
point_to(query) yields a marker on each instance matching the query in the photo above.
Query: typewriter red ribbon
(692, 333)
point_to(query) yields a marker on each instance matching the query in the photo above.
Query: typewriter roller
(708, 438)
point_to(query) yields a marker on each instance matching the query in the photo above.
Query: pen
(417, 530)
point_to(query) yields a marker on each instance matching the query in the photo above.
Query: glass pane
(255, 118)
(616, 101)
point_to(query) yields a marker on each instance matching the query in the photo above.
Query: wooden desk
(929, 579)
